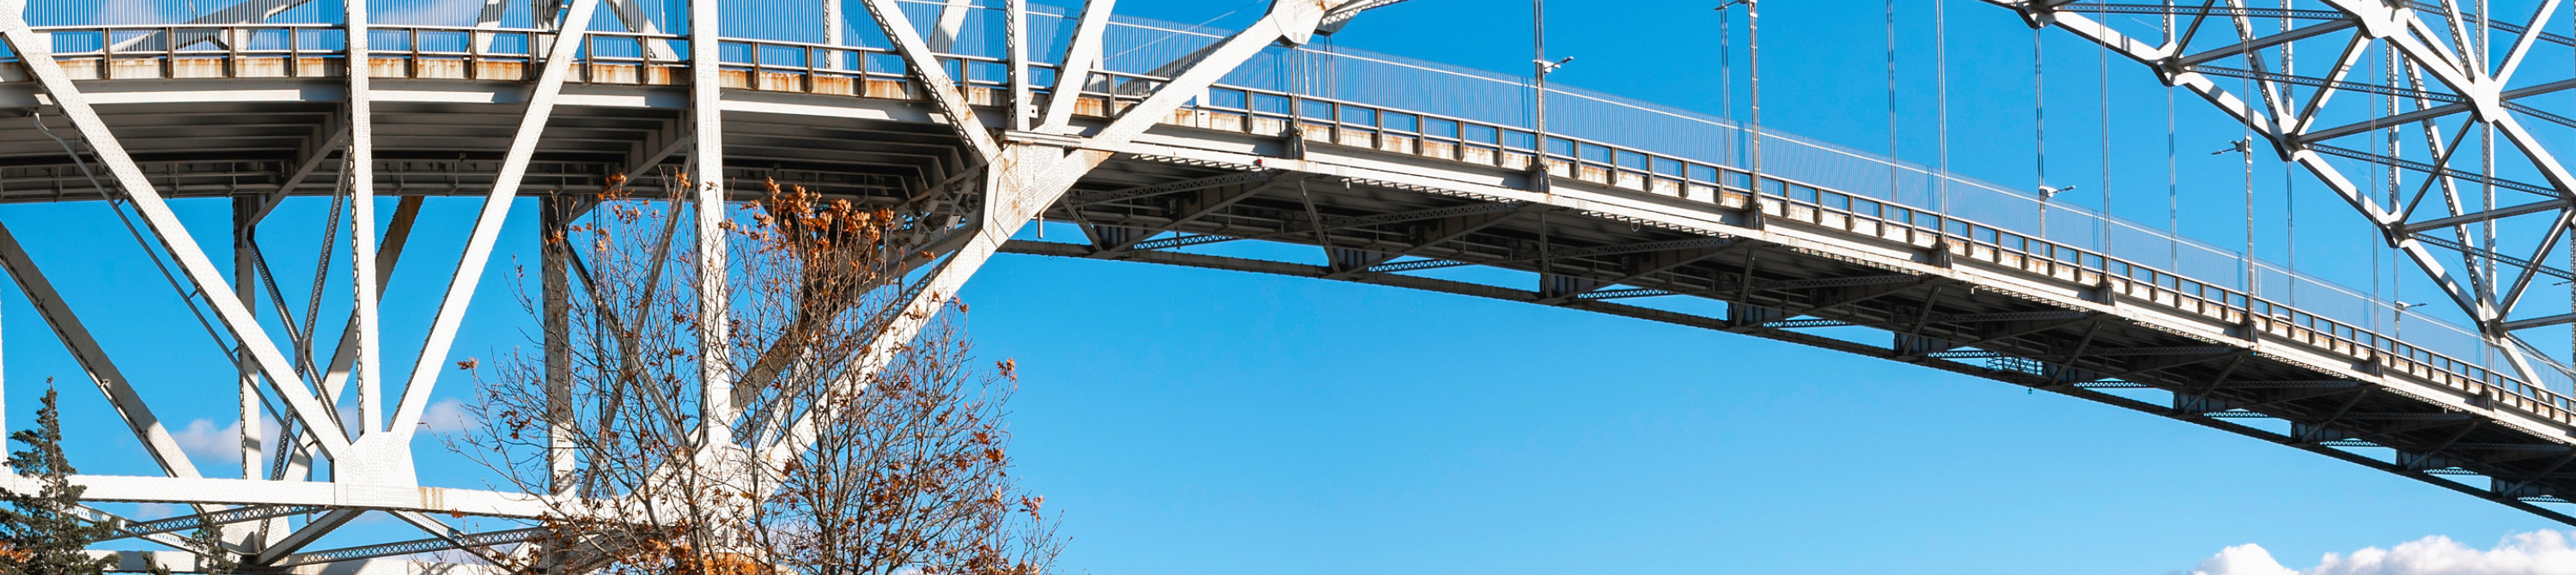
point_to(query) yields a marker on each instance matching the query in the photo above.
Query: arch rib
(2480, 297)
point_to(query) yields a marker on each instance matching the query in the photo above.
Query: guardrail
(433, 52)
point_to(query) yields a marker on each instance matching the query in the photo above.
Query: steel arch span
(2441, 103)
(1151, 161)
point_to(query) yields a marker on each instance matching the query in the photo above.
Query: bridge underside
(1786, 292)
(1793, 264)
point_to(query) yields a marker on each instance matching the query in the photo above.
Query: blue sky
(1195, 421)
(1189, 421)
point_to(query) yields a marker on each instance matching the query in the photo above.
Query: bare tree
(903, 468)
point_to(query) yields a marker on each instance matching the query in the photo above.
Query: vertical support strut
(1021, 107)
(556, 255)
(706, 166)
(362, 226)
(247, 212)
(246, 216)
(832, 26)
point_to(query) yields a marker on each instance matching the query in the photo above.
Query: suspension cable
(2245, 149)
(2387, 77)
(2394, 140)
(1941, 102)
(2173, 153)
(2486, 165)
(2102, 216)
(2039, 121)
(2289, 178)
(2396, 183)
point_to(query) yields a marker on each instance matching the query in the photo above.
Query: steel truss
(2394, 93)
(1939, 300)
(1001, 181)
(1795, 269)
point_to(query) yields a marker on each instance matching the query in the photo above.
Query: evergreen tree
(41, 533)
(212, 557)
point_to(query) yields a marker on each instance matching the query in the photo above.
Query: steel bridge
(257, 104)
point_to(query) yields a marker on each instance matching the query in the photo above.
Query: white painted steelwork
(1148, 166)
(2447, 75)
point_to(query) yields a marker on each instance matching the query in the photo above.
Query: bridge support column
(555, 255)
(707, 178)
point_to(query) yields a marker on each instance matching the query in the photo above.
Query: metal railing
(1785, 188)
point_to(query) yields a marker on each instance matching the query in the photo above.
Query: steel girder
(1594, 248)
(369, 453)
(377, 462)
(2432, 99)
(1779, 284)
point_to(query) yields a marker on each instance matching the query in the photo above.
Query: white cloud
(151, 511)
(2534, 553)
(214, 447)
(210, 446)
(2247, 559)
(448, 416)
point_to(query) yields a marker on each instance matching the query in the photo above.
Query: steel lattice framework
(2447, 105)
(1149, 166)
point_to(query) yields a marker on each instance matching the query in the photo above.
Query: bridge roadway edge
(1790, 236)
(1777, 232)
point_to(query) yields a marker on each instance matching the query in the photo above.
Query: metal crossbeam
(2439, 71)
(2148, 366)
(227, 517)
(1332, 225)
(1192, 185)
(2079, 338)
(413, 547)
(286, 548)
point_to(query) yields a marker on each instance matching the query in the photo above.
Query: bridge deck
(1386, 192)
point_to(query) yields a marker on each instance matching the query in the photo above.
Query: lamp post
(1753, 67)
(2399, 319)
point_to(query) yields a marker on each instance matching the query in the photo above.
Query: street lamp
(2399, 317)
